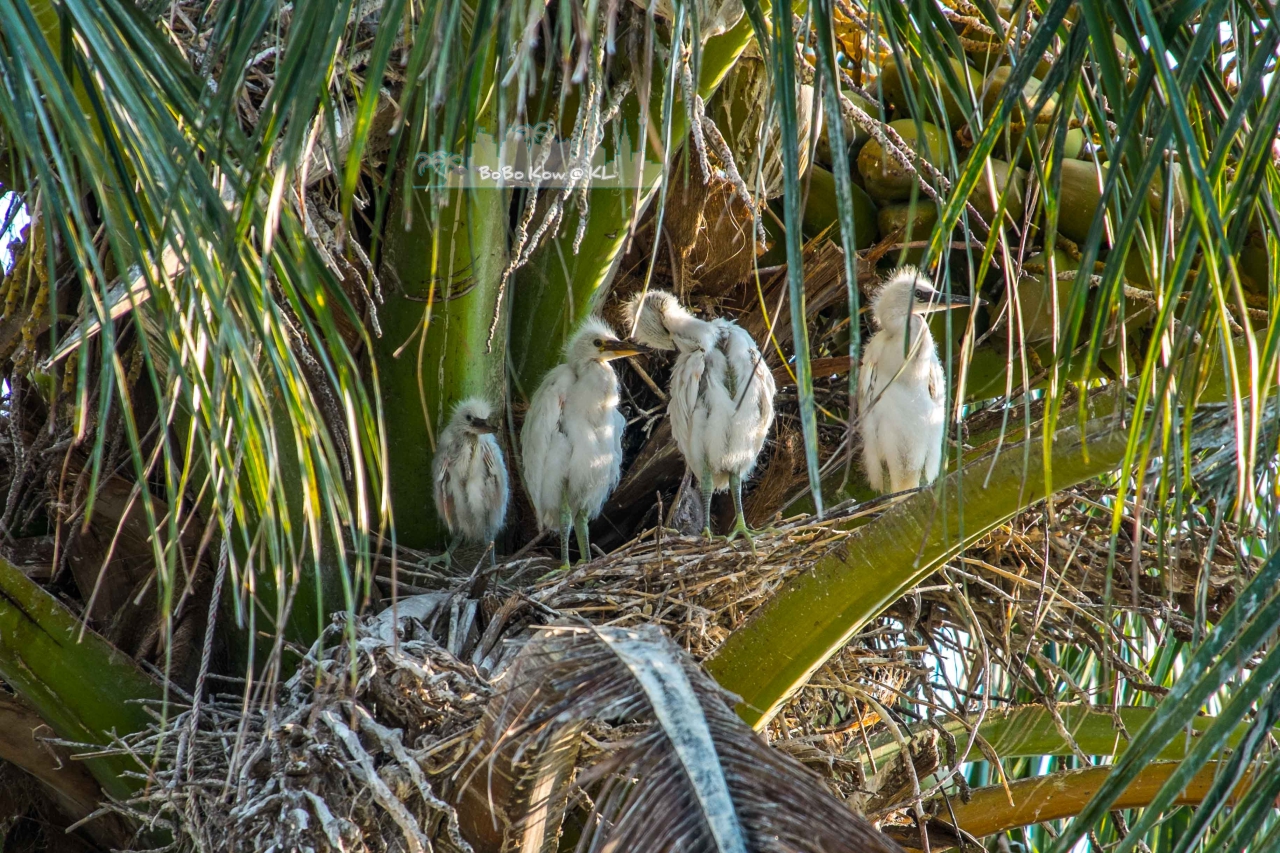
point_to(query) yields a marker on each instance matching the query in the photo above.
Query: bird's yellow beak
(613, 348)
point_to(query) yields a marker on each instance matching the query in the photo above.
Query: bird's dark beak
(487, 427)
(956, 300)
(614, 348)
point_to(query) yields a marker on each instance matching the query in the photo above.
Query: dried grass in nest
(372, 742)
(698, 591)
(355, 755)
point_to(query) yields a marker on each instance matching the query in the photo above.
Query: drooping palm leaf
(234, 313)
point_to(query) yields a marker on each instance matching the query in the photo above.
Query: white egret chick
(902, 388)
(470, 476)
(721, 396)
(571, 441)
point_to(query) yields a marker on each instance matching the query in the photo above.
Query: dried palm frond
(666, 764)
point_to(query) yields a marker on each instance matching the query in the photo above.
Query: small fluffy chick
(902, 388)
(470, 475)
(571, 441)
(721, 395)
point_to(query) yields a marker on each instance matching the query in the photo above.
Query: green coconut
(958, 112)
(854, 136)
(993, 90)
(1072, 145)
(985, 203)
(885, 178)
(1037, 295)
(821, 209)
(1082, 193)
(1079, 197)
(908, 223)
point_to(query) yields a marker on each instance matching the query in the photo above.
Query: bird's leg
(740, 520)
(447, 556)
(584, 539)
(708, 486)
(566, 523)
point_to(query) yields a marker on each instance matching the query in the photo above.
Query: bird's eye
(598, 343)
(922, 295)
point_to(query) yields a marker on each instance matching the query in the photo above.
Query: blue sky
(7, 200)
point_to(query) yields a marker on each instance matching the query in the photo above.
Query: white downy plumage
(571, 441)
(469, 475)
(721, 404)
(901, 387)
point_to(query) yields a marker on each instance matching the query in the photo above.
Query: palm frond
(235, 315)
(670, 766)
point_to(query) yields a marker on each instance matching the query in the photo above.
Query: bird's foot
(439, 559)
(706, 533)
(557, 572)
(741, 529)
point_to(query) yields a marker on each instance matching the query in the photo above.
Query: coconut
(908, 223)
(1079, 197)
(993, 90)
(1082, 193)
(854, 136)
(985, 203)
(885, 178)
(958, 111)
(821, 208)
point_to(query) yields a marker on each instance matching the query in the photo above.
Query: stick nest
(367, 745)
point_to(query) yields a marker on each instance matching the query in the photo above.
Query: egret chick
(902, 389)
(721, 396)
(571, 441)
(470, 476)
